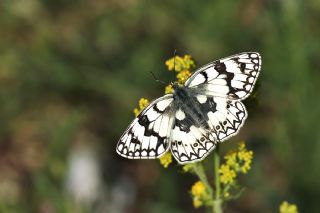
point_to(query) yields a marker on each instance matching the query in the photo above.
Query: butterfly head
(179, 91)
(175, 85)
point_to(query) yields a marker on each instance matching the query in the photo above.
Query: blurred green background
(71, 73)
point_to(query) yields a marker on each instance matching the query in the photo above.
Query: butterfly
(198, 115)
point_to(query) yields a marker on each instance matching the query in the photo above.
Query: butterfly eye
(224, 122)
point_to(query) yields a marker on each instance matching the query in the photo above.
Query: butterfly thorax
(186, 101)
(179, 92)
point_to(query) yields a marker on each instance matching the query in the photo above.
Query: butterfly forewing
(147, 136)
(232, 77)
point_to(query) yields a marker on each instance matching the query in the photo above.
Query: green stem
(199, 170)
(217, 207)
(216, 171)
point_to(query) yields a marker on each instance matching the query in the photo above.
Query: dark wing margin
(147, 137)
(232, 77)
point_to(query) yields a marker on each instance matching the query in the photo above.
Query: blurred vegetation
(71, 73)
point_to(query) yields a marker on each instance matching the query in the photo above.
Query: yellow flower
(169, 64)
(143, 103)
(180, 63)
(168, 89)
(231, 159)
(183, 76)
(187, 167)
(285, 207)
(198, 189)
(182, 66)
(189, 63)
(227, 174)
(197, 202)
(240, 160)
(245, 155)
(242, 145)
(245, 158)
(199, 194)
(166, 159)
(226, 195)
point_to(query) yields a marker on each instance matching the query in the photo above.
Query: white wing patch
(180, 115)
(147, 136)
(201, 98)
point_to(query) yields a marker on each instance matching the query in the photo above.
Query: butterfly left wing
(147, 137)
(232, 77)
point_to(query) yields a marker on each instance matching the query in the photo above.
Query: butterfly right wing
(147, 137)
(232, 77)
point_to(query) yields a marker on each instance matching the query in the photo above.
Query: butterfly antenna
(174, 64)
(156, 79)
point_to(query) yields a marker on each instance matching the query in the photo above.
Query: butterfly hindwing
(193, 139)
(147, 136)
(190, 142)
(232, 77)
(227, 119)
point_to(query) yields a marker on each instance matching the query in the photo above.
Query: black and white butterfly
(205, 111)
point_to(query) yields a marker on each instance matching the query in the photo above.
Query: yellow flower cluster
(198, 189)
(245, 158)
(183, 75)
(143, 103)
(180, 63)
(238, 161)
(182, 66)
(227, 174)
(286, 207)
(168, 89)
(199, 194)
(166, 159)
